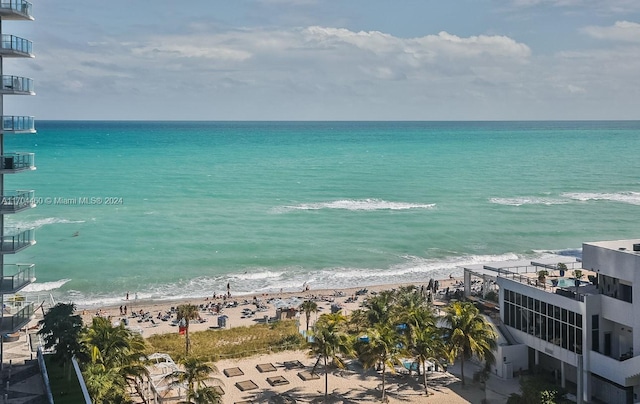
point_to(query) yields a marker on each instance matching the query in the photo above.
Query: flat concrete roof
(617, 245)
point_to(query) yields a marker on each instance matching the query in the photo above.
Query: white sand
(347, 386)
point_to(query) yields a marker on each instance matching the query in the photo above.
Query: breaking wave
(357, 205)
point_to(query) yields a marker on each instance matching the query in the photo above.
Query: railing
(12, 123)
(16, 201)
(17, 44)
(20, 6)
(625, 373)
(17, 240)
(17, 161)
(16, 316)
(17, 84)
(45, 376)
(16, 276)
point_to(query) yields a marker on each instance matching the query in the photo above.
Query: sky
(330, 60)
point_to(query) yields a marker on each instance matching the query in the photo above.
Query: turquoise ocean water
(270, 205)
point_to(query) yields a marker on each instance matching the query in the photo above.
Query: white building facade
(583, 336)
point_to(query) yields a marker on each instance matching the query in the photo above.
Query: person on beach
(127, 297)
(228, 290)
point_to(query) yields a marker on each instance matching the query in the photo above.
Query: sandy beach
(239, 310)
(285, 376)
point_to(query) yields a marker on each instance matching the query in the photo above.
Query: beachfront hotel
(16, 311)
(580, 333)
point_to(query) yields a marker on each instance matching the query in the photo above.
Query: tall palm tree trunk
(424, 372)
(187, 342)
(384, 372)
(326, 381)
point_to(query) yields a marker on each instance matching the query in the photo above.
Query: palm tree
(384, 347)
(194, 374)
(308, 306)
(328, 343)
(61, 330)
(113, 357)
(468, 334)
(427, 345)
(187, 312)
(378, 308)
(207, 395)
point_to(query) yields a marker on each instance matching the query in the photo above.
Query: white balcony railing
(16, 276)
(17, 85)
(16, 201)
(18, 124)
(15, 10)
(16, 239)
(625, 373)
(14, 162)
(11, 45)
(16, 315)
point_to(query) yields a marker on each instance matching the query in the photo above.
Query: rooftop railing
(18, 124)
(17, 276)
(16, 316)
(20, 6)
(13, 162)
(17, 85)
(16, 240)
(16, 44)
(16, 201)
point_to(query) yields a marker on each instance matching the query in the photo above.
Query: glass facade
(551, 323)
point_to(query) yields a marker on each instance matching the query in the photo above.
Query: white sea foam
(357, 205)
(527, 200)
(632, 198)
(41, 222)
(45, 286)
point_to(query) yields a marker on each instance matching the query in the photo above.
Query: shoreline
(153, 311)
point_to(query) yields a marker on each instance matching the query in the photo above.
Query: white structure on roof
(583, 335)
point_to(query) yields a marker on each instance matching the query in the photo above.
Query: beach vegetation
(236, 342)
(330, 345)
(308, 307)
(467, 333)
(61, 329)
(185, 313)
(112, 358)
(427, 346)
(383, 350)
(194, 374)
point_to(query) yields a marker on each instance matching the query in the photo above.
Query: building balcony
(15, 162)
(18, 124)
(626, 373)
(15, 10)
(16, 277)
(16, 315)
(16, 240)
(16, 201)
(13, 46)
(17, 85)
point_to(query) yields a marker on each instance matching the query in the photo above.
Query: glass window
(579, 320)
(595, 322)
(564, 315)
(572, 318)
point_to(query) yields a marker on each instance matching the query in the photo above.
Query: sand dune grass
(237, 342)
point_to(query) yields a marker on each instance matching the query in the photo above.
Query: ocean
(171, 210)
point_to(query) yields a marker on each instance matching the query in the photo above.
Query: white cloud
(607, 6)
(333, 73)
(621, 31)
